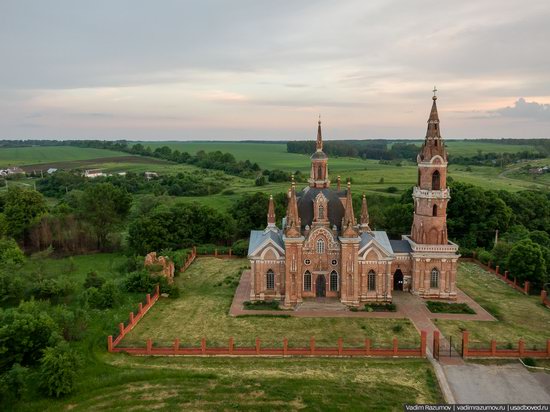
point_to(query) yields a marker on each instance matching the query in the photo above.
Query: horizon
(257, 70)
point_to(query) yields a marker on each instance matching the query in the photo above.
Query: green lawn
(202, 311)
(48, 154)
(519, 315)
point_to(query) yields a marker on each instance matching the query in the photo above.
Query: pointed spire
(319, 136)
(433, 144)
(271, 213)
(348, 222)
(433, 121)
(364, 215)
(292, 219)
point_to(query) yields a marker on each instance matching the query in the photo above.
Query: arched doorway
(398, 280)
(320, 286)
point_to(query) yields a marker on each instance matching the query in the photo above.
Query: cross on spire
(319, 136)
(435, 91)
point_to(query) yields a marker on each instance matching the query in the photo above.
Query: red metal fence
(493, 352)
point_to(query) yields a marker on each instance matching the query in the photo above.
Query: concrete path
(510, 383)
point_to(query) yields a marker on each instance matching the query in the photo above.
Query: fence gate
(443, 348)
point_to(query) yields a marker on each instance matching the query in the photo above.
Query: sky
(265, 70)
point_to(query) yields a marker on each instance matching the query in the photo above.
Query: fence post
(548, 347)
(285, 346)
(149, 346)
(121, 328)
(110, 343)
(543, 295)
(465, 338)
(521, 347)
(367, 346)
(131, 318)
(423, 336)
(203, 346)
(157, 290)
(489, 266)
(312, 345)
(340, 346)
(140, 306)
(436, 344)
(258, 346)
(231, 345)
(216, 252)
(506, 274)
(526, 286)
(497, 269)
(148, 298)
(229, 252)
(176, 346)
(515, 281)
(395, 346)
(194, 250)
(493, 347)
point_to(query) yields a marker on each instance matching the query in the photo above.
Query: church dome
(319, 154)
(335, 207)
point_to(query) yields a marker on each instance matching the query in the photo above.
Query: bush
(240, 248)
(446, 307)
(52, 289)
(10, 253)
(73, 323)
(13, 384)
(140, 282)
(392, 189)
(58, 369)
(397, 328)
(380, 307)
(260, 181)
(261, 305)
(529, 362)
(93, 280)
(484, 257)
(105, 298)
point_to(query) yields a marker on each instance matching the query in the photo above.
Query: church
(322, 251)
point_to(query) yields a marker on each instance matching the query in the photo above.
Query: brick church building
(321, 250)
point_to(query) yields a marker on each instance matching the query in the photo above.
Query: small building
(151, 175)
(51, 170)
(93, 173)
(15, 171)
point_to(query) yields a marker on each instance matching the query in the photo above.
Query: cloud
(525, 110)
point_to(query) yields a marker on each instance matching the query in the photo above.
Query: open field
(202, 311)
(518, 315)
(111, 382)
(18, 156)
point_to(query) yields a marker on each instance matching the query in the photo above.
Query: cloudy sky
(260, 69)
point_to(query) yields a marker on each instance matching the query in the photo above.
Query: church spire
(292, 219)
(319, 136)
(271, 213)
(364, 215)
(433, 131)
(348, 222)
(433, 144)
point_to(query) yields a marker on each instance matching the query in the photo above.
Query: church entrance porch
(320, 286)
(398, 280)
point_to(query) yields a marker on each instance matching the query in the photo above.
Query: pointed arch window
(434, 279)
(371, 280)
(333, 281)
(434, 210)
(270, 280)
(436, 180)
(307, 281)
(319, 172)
(320, 246)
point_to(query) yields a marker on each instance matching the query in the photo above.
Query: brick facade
(321, 251)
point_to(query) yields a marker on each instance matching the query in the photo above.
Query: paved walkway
(509, 383)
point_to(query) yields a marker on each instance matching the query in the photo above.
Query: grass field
(48, 154)
(116, 382)
(519, 315)
(202, 311)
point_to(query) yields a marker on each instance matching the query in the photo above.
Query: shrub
(93, 280)
(13, 384)
(140, 281)
(10, 253)
(240, 248)
(228, 192)
(52, 289)
(58, 369)
(73, 323)
(529, 362)
(397, 328)
(392, 189)
(104, 298)
(446, 307)
(380, 307)
(484, 256)
(354, 309)
(261, 305)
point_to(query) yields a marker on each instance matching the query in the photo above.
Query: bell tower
(319, 163)
(431, 194)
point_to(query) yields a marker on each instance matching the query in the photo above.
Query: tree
(250, 211)
(397, 219)
(58, 370)
(104, 207)
(526, 262)
(10, 253)
(22, 209)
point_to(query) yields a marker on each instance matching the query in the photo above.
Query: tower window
(371, 280)
(434, 279)
(270, 280)
(319, 173)
(320, 246)
(434, 210)
(307, 281)
(333, 281)
(321, 214)
(436, 180)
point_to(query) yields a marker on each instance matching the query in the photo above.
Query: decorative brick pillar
(176, 346)
(203, 346)
(521, 347)
(395, 346)
(148, 298)
(140, 307)
(131, 318)
(493, 347)
(367, 347)
(149, 346)
(497, 269)
(121, 329)
(110, 343)
(340, 346)
(436, 344)
(465, 340)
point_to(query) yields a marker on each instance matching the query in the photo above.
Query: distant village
(89, 173)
